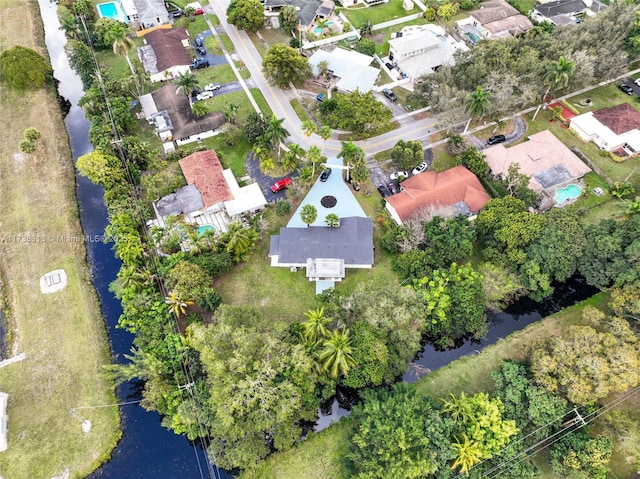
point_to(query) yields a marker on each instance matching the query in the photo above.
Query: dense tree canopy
(22, 67)
(260, 385)
(357, 112)
(587, 364)
(407, 154)
(246, 14)
(283, 65)
(398, 434)
(454, 301)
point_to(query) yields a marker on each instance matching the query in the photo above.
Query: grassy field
(221, 74)
(300, 110)
(62, 334)
(322, 455)
(378, 13)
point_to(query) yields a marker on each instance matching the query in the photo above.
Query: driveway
(520, 128)
(213, 59)
(265, 181)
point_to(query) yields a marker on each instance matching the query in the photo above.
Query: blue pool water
(473, 37)
(109, 10)
(318, 30)
(567, 193)
(203, 228)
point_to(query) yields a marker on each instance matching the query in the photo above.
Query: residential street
(279, 103)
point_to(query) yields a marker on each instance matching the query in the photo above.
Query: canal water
(147, 450)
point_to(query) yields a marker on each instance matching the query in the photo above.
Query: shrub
(283, 207)
(27, 146)
(32, 134)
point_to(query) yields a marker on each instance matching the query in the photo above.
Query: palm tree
(296, 150)
(276, 133)
(308, 214)
(177, 304)
(122, 43)
(336, 353)
(309, 128)
(199, 109)
(267, 165)
(314, 329)
(476, 105)
(325, 134)
(231, 112)
(69, 26)
(468, 454)
(187, 82)
(458, 408)
(314, 155)
(290, 161)
(240, 240)
(322, 23)
(558, 74)
(351, 154)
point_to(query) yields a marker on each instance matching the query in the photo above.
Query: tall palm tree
(296, 150)
(239, 240)
(476, 105)
(557, 76)
(187, 82)
(69, 26)
(468, 454)
(177, 304)
(325, 134)
(314, 155)
(314, 329)
(336, 353)
(276, 133)
(351, 154)
(290, 161)
(122, 43)
(309, 128)
(231, 112)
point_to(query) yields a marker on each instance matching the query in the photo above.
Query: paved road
(279, 103)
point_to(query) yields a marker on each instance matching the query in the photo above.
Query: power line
(153, 265)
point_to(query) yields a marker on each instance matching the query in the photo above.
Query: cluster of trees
(399, 432)
(357, 112)
(283, 65)
(23, 68)
(519, 72)
(246, 14)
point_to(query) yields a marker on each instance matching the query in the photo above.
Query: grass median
(62, 334)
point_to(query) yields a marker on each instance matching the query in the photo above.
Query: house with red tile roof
(456, 188)
(543, 157)
(212, 195)
(613, 128)
(164, 57)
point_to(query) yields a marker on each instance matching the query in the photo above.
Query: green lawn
(322, 455)
(300, 110)
(220, 74)
(273, 36)
(262, 103)
(378, 13)
(195, 27)
(442, 159)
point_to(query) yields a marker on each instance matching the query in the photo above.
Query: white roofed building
(352, 68)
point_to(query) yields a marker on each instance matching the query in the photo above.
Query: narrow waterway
(147, 449)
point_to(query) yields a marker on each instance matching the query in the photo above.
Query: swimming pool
(473, 37)
(569, 192)
(204, 228)
(111, 10)
(318, 30)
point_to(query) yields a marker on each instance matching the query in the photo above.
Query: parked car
(280, 185)
(392, 187)
(203, 95)
(389, 65)
(420, 168)
(384, 191)
(201, 51)
(494, 140)
(626, 88)
(320, 97)
(325, 175)
(198, 42)
(199, 11)
(398, 174)
(199, 63)
(212, 87)
(177, 13)
(637, 81)
(389, 94)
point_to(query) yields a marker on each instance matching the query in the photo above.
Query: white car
(397, 174)
(420, 168)
(212, 87)
(203, 95)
